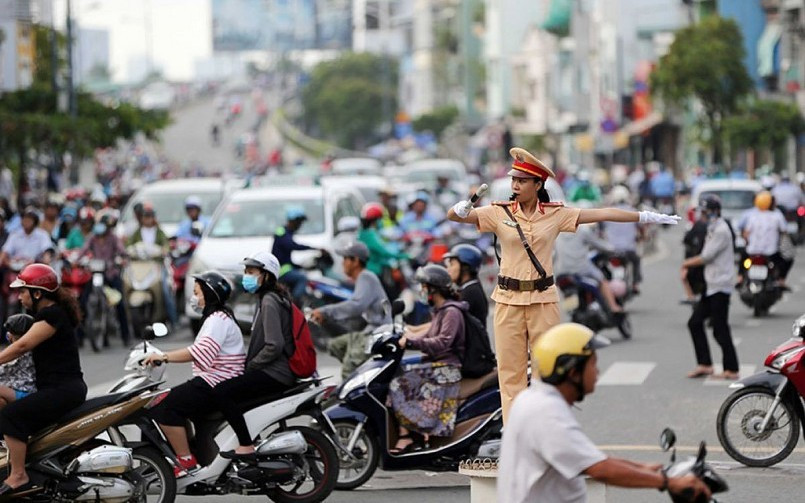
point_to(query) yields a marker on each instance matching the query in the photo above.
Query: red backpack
(303, 359)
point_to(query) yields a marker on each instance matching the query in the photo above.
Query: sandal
(700, 372)
(406, 448)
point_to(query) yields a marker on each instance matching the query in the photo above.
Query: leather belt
(523, 285)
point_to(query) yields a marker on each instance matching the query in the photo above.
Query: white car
(246, 221)
(736, 196)
(356, 166)
(167, 197)
(368, 185)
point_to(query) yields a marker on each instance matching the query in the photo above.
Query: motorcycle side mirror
(667, 439)
(159, 329)
(196, 228)
(702, 452)
(397, 307)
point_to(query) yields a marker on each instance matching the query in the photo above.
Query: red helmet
(86, 213)
(39, 276)
(372, 211)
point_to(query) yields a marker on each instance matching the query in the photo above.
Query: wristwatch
(165, 358)
(664, 481)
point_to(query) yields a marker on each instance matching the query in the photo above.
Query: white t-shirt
(149, 235)
(544, 451)
(764, 228)
(218, 352)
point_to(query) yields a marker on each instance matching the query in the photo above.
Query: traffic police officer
(526, 298)
(284, 244)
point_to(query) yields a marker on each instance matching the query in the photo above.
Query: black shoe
(241, 457)
(7, 489)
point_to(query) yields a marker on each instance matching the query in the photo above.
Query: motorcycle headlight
(362, 379)
(781, 360)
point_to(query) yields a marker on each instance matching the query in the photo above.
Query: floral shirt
(19, 374)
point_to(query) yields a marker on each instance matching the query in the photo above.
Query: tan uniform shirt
(540, 230)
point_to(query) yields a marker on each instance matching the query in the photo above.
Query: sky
(180, 33)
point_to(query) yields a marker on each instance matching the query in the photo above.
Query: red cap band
(531, 169)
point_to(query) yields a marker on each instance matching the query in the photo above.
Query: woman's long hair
(270, 284)
(64, 297)
(542, 194)
(212, 305)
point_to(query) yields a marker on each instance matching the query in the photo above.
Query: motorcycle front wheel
(739, 428)
(157, 475)
(321, 463)
(95, 322)
(354, 473)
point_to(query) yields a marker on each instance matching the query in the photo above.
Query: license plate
(792, 227)
(758, 272)
(97, 279)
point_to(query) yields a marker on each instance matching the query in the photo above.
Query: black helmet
(18, 324)
(710, 202)
(217, 283)
(434, 275)
(467, 254)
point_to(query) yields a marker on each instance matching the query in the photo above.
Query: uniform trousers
(516, 331)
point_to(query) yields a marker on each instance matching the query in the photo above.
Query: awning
(558, 19)
(765, 49)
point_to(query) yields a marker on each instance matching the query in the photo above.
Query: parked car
(356, 166)
(368, 185)
(246, 222)
(425, 173)
(167, 197)
(736, 196)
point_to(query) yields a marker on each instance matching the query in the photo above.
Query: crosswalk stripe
(743, 371)
(626, 374)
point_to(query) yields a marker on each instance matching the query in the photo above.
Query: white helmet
(263, 260)
(619, 195)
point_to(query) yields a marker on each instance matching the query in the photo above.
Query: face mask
(194, 304)
(249, 283)
(99, 229)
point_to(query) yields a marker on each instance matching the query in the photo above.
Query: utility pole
(71, 101)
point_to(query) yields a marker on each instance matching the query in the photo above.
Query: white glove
(462, 209)
(650, 217)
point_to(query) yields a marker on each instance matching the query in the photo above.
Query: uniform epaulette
(554, 203)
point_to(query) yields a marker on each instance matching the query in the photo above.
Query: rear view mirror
(667, 439)
(159, 329)
(397, 307)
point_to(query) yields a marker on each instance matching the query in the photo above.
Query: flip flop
(696, 373)
(7, 489)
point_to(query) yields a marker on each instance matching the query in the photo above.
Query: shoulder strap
(524, 241)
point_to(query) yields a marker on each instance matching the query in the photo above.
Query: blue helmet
(466, 254)
(295, 213)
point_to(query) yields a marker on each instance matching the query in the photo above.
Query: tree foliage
(344, 98)
(436, 121)
(705, 62)
(764, 124)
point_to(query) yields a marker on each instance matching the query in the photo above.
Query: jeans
(716, 307)
(296, 280)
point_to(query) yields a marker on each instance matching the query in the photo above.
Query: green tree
(764, 125)
(345, 98)
(435, 121)
(705, 62)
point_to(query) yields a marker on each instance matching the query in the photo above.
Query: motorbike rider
(151, 234)
(463, 262)
(444, 193)
(545, 455)
(392, 214)
(50, 218)
(425, 397)
(663, 186)
(284, 243)
(80, 233)
(29, 242)
(349, 321)
(382, 256)
(584, 190)
(67, 221)
(216, 354)
(718, 259)
(270, 344)
(762, 232)
(788, 194)
(60, 384)
(526, 302)
(623, 237)
(192, 206)
(418, 218)
(105, 245)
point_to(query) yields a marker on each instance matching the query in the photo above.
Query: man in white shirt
(787, 194)
(29, 242)
(545, 455)
(762, 231)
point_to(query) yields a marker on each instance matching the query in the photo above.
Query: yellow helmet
(763, 200)
(564, 347)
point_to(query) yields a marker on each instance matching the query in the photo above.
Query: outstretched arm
(607, 215)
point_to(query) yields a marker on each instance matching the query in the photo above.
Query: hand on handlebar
(153, 359)
(402, 342)
(690, 486)
(317, 316)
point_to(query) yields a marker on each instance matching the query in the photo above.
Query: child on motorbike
(17, 377)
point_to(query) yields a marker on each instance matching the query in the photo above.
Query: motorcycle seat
(93, 404)
(260, 399)
(471, 386)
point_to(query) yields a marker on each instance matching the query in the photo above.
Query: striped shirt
(218, 352)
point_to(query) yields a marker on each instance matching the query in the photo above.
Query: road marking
(736, 341)
(752, 323)
(744, 371)
(626, 374)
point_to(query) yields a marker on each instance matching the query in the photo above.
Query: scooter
(142, 286)
(584, 300)
(758, 289)
(759, 423)
(100, 322)
(619, 273)
(697, 466)
(294, 463)
(67, 462)
(181, 251)
(366, 429)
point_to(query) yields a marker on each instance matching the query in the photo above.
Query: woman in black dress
(59, 381)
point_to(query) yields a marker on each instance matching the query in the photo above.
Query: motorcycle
(758, 289)
(142, 285)
(101, 320)
(618, 271)
(587, 307)
(75, 272)
(759, 423)
(294, 463)
(67, 462)
(697, 466)
(795, 224)
(365, 428)
(181, 251)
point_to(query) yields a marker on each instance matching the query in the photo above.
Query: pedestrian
(526, 301)
(545, 455)
(718, 259)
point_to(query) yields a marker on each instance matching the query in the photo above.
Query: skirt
(425, 398)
